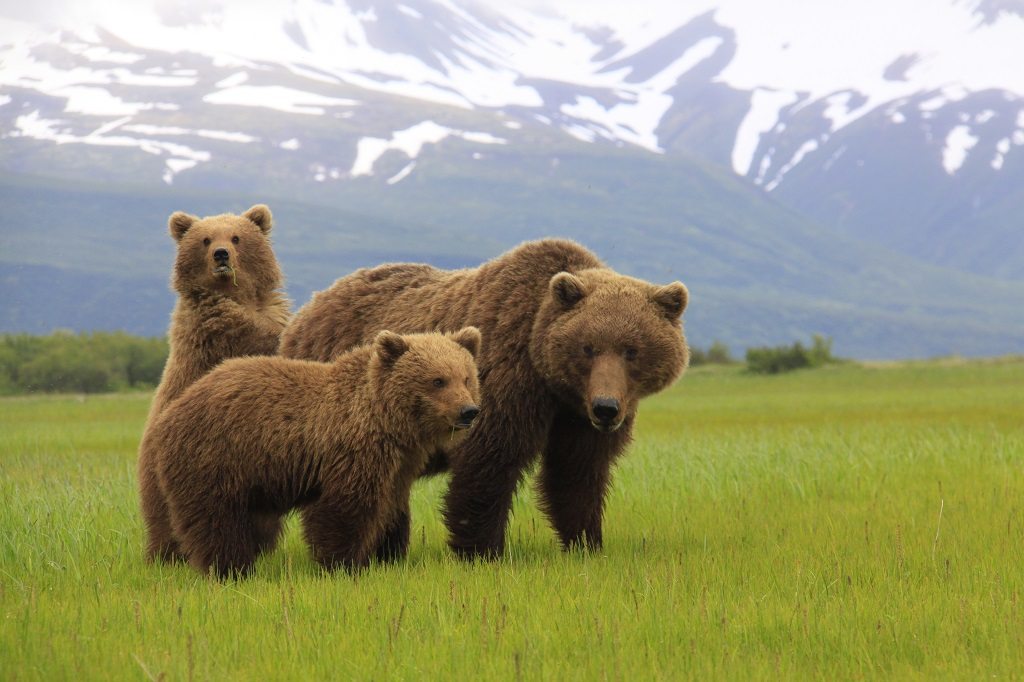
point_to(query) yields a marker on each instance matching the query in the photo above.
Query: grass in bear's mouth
(221, 268)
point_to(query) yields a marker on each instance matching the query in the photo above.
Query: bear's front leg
(575, 470)
(340, 535)
(394, 541)
(221, 316)
(225, 320)
(487, 467)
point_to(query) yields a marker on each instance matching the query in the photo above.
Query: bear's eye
(588, 350)
(438, 383)
(234, 240)
(206, 242)
(630, 353)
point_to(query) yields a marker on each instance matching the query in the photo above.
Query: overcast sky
(61, 11)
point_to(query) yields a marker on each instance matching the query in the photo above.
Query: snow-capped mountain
(825, 65)
(898, 123)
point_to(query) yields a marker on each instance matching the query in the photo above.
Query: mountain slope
(749, 285)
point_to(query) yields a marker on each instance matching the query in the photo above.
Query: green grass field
(848, 521)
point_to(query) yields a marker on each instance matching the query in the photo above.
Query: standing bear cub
(229, 305)
(572, 346)
(343, 442)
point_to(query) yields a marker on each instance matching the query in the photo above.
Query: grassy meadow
(851, 521)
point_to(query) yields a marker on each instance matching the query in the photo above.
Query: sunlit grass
(853, 522)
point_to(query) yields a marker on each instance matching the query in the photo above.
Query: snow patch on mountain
(643, 105)
(233, 80)
(82, 87)
(958, 143)
(175, 166)
(225, 135)
(102, 53)
(1002, 147)
(762, 116)
(34, 126)
(805, 149)
(410, 142)
(409, 11)
(402, 174)
(841, 112)
(277, 97)
(337, 41)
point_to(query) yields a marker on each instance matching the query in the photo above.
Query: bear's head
(603, 341)
(226, 254)
(431, 379)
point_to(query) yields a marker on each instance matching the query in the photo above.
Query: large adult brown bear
(570, 347)
(229, 305)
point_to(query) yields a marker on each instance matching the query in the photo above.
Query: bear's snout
(466, 416)
(607, 392)
(221, 256)
(606, 411)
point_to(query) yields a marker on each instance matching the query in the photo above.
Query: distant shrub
(61, 368)
(81, 363)
(717, 354)
(774, 360)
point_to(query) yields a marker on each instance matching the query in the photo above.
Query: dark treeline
(773, 360)
(716, 354)
(98, 362)
(769, 359)
(64, 362)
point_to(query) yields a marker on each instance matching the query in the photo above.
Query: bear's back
(265, 407)
(396, 296)
(500, 297)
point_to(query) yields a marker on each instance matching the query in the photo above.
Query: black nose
(221, 255)
(605, 409)
(468, 413)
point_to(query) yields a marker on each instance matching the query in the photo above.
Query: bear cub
(341, 441)
(229, 305)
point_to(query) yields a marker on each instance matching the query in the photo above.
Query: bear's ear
(389, 346)
(672, 299)
(260, 215)
(179, 223)
(468, 338)
(567, 289)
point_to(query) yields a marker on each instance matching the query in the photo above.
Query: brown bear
(341, 441)
(229, 305)
(571, 347)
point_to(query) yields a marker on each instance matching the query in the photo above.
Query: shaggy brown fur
(229, 305)
(343, 442)
(571, 347)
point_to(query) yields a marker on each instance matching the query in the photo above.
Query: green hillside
(759, 273)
